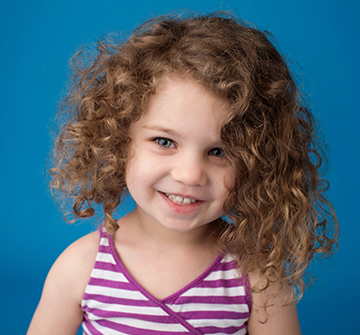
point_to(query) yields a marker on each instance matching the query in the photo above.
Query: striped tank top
(216, 302)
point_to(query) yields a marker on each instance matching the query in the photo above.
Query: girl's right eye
(164, 142)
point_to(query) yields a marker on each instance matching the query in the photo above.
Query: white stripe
(140, 310)
(105, 258)
(106, 330)
(240, 332)
(85, 329)
(148, 325)
(114, 292)
(109, 275)
(104, 241)
(228, 258)
(138, 325)
(219, 323)
(223, 274)
(237, 308)
(215, 291)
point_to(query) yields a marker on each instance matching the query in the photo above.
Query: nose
(190, 170)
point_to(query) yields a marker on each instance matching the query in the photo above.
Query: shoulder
(80, 253)
(59, 310)
(270, 313)
(75, 264)
(82, 249)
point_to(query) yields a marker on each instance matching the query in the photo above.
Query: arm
(280, 320)
(59, 311)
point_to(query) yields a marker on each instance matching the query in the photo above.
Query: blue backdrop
(37, 40)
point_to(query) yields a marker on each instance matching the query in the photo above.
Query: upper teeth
(180, 200)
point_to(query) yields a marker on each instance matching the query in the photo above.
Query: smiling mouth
(177, 199)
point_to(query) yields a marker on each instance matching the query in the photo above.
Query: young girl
(200, 120)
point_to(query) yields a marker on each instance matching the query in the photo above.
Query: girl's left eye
(164, 142)
(217, 152)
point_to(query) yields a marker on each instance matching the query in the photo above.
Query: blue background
(37, 40)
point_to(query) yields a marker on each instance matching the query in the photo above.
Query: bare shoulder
(77, 262)
(79, 255)
(59, 310)
(278, 318)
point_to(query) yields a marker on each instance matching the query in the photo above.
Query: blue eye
(217, 152)
(164, 142)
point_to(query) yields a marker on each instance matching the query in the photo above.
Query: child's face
(178, 175)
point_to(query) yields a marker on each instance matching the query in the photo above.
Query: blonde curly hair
(278, 209)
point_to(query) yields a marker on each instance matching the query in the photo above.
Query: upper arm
(277, 319)
(59, 310)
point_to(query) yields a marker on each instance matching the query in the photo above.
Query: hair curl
(278, 207)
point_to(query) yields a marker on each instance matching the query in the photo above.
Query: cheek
(134, 167)
(228, 179)
(132, 171)
(139, 173)
(226, 184)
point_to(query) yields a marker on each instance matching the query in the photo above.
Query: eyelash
(157, 140)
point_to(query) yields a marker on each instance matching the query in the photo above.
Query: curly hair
(280, 217)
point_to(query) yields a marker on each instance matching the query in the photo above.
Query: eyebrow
(169, 131)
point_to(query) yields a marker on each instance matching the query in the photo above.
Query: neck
(155, 235)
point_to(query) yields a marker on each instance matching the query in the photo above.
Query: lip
(181, 209)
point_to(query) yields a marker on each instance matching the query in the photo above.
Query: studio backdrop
(320, 39)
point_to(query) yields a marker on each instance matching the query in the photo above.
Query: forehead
(180, 94)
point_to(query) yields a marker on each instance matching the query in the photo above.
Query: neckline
(140, 288)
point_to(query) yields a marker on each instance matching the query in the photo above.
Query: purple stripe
(105, 249)
(90, 327)
(223, 300)
(225, 266)
(121, 301)
(162, 319)
(137, 331)
(111, 284)
(106, 266)
(222, 283)
(103, 233)
(228, 330)
(248, 292)
(192, 315)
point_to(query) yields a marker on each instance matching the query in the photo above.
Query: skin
(59, 310)
(176, 149)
